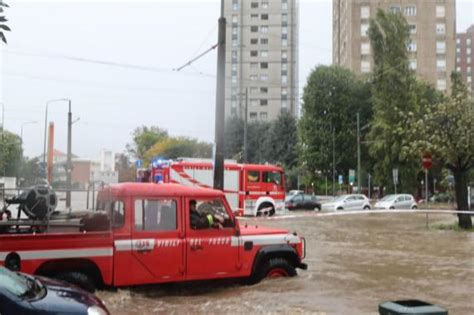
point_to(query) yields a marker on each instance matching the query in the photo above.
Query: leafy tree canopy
(144, 138)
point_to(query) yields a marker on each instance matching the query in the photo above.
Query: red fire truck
(251, 189)
(142, 233)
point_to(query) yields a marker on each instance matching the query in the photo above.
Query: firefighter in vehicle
(203, 220)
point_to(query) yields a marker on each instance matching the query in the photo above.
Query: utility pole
(333, 160)
(358, 154)
(245, 122)
(69, 157)
(220, 105)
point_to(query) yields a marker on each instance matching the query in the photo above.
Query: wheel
(392, 208)
(79, 279)
(340, 208)
(366, 208)
(414, 207)
(272, 268)
(317, 208)
(261, 213)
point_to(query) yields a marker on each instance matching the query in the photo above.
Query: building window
(469, 79)
(411, 47)
(412, 28)
(284, 4)
(441, 84)
(441, 65)
(263, 116)
(284, 66)
(253, 102)
(264, 4)
(254, 65)
(284, 30)
(264, 41)
(264, 65)
(253, 116)
(440, 28)
(254, 5)
(253, 53)
(365, 66)
(458, 69)
(263, 102)
(468, 51)
(284, 42)
(468, 60)
(235, 19)
(440, 11)
(458, 41)
(284, 55)
(440, 47)
(468, 42)
(364, 12)
(253, 41)
(254, 16)
(365, 49)
(264, 29)
(234, 55)
(264, 53)
(235, 42)
(284, 17)
(284, 93)
(264, 90)
(234, 79)
(253, 77)
(264, 77)
(469, 69)
(235, 5)
(254, 29)
(284, 104)
(364, 28)
(458, 50)
(253, 90)
(395, 9)
(284, 79)
(410, 10)
(412, 64)
(264, 17)
(458, 59)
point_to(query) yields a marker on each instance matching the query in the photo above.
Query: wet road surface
(355, 263)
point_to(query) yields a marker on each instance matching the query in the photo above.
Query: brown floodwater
(355, 263)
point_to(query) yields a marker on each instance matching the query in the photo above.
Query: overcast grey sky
(111, 101)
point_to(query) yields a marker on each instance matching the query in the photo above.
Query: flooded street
(355, 263)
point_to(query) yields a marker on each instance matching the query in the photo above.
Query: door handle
(143, 251)
(196, 247)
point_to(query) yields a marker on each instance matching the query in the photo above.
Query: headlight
(96, 310)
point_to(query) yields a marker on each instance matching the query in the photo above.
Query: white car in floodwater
(348, 202)
(400, 201)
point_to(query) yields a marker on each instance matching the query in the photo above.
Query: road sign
(138, 163)
(341, 179)
(351, 177)
(395, 176)
(427, 161)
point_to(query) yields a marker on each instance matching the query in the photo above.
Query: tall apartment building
(465, 57)
(261, 58)
(432, 28)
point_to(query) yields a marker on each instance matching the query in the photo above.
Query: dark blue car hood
(62, 297)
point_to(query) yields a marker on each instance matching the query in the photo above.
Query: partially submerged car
(399, 201)
(348, 202)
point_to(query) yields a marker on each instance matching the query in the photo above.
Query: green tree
(125, 168)
(30, 172)
(175, 147)
(234, 137)
(394, 95)
(331, 99)
(282, 140)
(3, 19)
(10, 154)
(144, 138)
(446, 130)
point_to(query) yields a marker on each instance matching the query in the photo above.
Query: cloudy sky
(61, 49)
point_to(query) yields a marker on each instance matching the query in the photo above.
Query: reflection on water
(355, 263)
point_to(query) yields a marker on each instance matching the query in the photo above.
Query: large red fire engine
(251, 189)
(142, 233)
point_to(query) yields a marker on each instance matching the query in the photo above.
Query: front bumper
(302, 266)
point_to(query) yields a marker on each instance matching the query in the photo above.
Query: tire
(80, 279)
(340, 208)
(414, 207)
(317, 209)
(366, 208)
(273, 268)
(264, 214)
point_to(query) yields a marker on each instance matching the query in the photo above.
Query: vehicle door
(272, 183)
(298, 200)
(398, 203)
(157, 240)
(211, 252)
(407, 202)
(349, 203)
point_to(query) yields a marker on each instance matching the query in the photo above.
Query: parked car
(24, 294)
(348, 202)
(294, 192)
(302, 201)
(400, 201)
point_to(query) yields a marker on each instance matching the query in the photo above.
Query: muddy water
(355, 263)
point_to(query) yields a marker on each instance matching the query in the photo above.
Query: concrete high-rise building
(465, 57)
(433, 36)
(261, 58)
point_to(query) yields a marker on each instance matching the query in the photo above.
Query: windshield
(340, 198)
(388, 198)
(13, 282)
